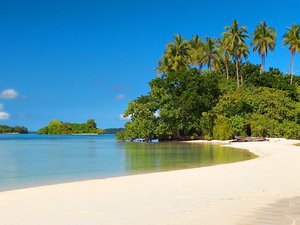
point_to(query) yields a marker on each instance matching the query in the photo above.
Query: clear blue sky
(81, 59)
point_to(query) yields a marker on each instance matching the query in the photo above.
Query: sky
(81, 59)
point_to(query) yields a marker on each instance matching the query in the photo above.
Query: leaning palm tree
(235, 37)
(196, 51)
(176, 56)
(210, 53)
(224, 54)
(292, 38)
(264, 40)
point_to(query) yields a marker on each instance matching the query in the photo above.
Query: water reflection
(144, 157)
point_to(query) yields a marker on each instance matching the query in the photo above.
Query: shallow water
(30, 160)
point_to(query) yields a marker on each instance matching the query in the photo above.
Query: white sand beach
(265, 190)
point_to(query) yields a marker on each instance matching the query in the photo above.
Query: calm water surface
(29, 160)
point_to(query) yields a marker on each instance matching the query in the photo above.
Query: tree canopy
(58, 127)
(204, 89)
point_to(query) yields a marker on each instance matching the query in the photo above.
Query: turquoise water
(29, 160)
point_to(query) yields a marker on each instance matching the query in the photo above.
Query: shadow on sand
(284, 212)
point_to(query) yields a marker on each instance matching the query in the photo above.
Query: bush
(289, 129)
(222, 129)
(263, 126)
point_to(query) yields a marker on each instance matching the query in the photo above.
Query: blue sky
(81, 59)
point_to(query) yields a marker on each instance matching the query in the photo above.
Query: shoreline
(232, 193)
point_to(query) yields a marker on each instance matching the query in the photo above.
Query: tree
(196, 51)
(264, 40)
(91, 123)
(292, 38)
(241, 53)
(210, 53)
(175, 57)
(224, 54)
(235, 37)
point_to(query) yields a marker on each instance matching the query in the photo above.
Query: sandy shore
(262, 191)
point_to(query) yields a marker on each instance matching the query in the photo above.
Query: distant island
(113, 130)
(59, 127)
(4, 129)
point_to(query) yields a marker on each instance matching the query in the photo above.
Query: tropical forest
(206, 89)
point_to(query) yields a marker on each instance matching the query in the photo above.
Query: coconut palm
(242, 53)
(178, 51)
(224, 54)
(264, 40)
(292, 38)
(235, 37)
(164, 66)
(176, 56)
(196, 51)
(210, 53)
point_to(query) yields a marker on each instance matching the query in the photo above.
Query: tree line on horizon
(4, 129)
(207, 89)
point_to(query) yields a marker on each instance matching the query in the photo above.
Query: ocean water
(31, 160)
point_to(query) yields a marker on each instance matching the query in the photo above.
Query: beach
(265, 190)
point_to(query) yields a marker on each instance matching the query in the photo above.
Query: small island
(4, 129)
(59, 127)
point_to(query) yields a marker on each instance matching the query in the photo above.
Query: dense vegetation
(58, 127)
(112, 130)
(9, 130)
(204, 89)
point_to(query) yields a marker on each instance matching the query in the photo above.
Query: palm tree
(224, 54)
(196, 51)
(210, 53)
(264, 39)
(176, 56)
(235, 37)
(242, 53)
(164, 66)
(292, 38)
(178, 51)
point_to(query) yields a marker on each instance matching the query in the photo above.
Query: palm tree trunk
(227, 72)
(292, 66)
(237, 72)
(262, 67)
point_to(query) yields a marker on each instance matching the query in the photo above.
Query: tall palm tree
(242, 53)
(264, 40)
(235, 37)
(196, 51)
(292, 38)
(224, 54)
(210, 53)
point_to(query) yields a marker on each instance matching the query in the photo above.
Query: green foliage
(121, 135)
(179, 98)
(262, 126)
(58, 127)
(222, 129)
(231, 98)
(226, 128)
(4, 129)
(112, 130)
